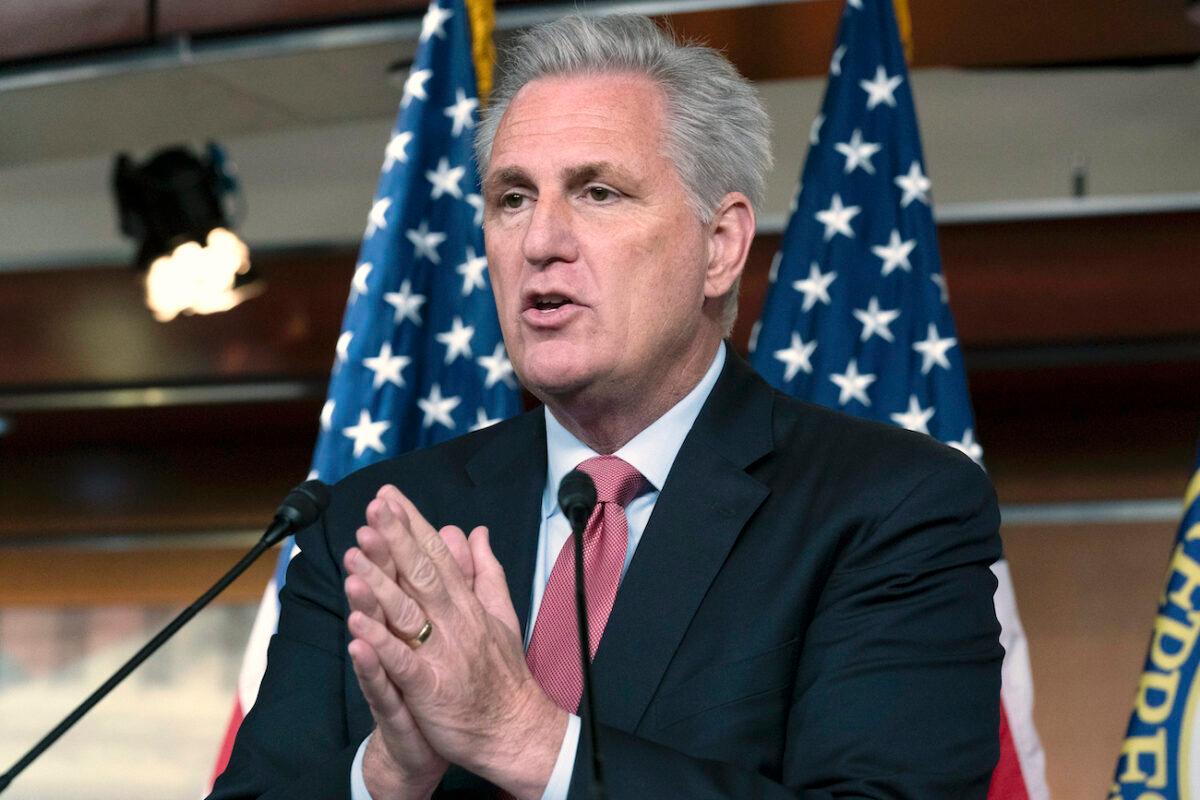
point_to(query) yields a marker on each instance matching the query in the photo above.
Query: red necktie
(553, 654)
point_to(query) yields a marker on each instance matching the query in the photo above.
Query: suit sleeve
(294, 742)
(897, 687)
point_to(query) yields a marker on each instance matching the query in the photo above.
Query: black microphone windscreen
(304, 504)
(577, 496)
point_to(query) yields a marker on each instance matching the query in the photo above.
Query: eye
(512, 200)
(600, 193)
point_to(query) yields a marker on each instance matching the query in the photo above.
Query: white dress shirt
(651, 452)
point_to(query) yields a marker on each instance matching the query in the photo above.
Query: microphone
(298, 510)
(577, 498)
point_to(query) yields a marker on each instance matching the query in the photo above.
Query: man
(804, 603)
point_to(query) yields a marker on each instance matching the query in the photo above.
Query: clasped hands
(465, 695)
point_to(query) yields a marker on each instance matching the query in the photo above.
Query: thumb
(456, 543)
(491, 587)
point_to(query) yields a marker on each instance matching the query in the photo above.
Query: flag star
(969, 446)
(895, 253)
(915, 418)
(432, 22)
(815, 287)
(343, 346)
(407, 304)
(858, 153)
(426, 242)
(855, 3)
(327, 414)
(386, 366)
(358, 285)
(462, 112)
(482, 421)
(367, 434)
(754, 331)
(396, 150)
(414, 86)
(437, 408)
(472, 271)
(377, 219)
(853, 385)
(933, 350)
(445, 180)
(879, 90)
(457, 340)
(915, 185)
(775, 266)
(944, 291)
(876, 320)
(836, 218)
(475, 201)
(498, 367)
(814, 132)
(796, 357)
(835, 63)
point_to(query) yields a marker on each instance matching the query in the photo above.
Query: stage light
(173, 205)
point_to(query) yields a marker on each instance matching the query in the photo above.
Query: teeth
(550, 301)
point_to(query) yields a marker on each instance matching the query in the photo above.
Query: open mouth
(550, 302)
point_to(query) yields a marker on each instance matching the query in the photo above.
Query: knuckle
(424, 575)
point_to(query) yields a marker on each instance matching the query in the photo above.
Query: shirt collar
(651, 452)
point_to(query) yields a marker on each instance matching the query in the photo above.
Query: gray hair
(717, 132)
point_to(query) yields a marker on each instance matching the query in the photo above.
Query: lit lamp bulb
(197, 279)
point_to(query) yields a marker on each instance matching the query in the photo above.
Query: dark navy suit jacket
(808, 614)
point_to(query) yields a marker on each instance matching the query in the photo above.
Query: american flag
(857, 316)
(420, 358)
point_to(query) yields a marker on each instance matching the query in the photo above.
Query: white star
(457, 340)
(445, 180)
(426, 242)
(814, 132)
(895, 253)
(461, 112)
(414, 86)
(386, 366)
(343, 346)
(754, 331)
(432, 22)
(377, 219)
(366, 433)
(835, 63)
(472, 271)
(396, 150)
(836, 218)
(796, 357)
(853, 385)
(358, 285)
(969, 446)
(858, 153)
(327, 414)
(437, 408)
(915, 418)
(944, 291)
(933, 350)
(880, 89)
(815, 287)
(475, 201)
(876, 320)
(407, 304)
(482, 421)
(914, 184)
(498, 367)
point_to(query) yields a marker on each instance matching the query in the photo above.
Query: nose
(550, 236)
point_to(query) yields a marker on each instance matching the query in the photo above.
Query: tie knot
(617, 481)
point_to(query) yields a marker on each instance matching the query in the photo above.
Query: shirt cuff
(564, 767)
(358, 785)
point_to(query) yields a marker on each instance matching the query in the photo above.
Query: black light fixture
(174, 207)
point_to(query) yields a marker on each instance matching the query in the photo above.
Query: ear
(729, 236)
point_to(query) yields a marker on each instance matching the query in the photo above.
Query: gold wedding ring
(422, 635)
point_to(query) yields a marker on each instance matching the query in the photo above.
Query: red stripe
(235, 722)
(1007, 781)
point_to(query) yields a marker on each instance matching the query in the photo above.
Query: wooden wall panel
(30, 28)
(203, 16)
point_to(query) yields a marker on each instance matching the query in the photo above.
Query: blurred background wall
(138, 459)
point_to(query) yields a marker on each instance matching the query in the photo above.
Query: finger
(456, 543)
(397, 609)
(491, 586)
(416, 571)
(361, 598)
(376, 548)
(399, 661)
(424, 534)
(381, 694)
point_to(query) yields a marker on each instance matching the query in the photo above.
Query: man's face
(596, 260)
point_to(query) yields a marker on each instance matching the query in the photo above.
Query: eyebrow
(509, 176)
(573, 176)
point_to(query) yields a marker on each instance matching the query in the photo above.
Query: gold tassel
(904, 23)
(483, 48)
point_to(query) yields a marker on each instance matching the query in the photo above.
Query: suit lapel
(705, 503)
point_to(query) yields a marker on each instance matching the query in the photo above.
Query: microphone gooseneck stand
(299, 509)
(577, 498)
